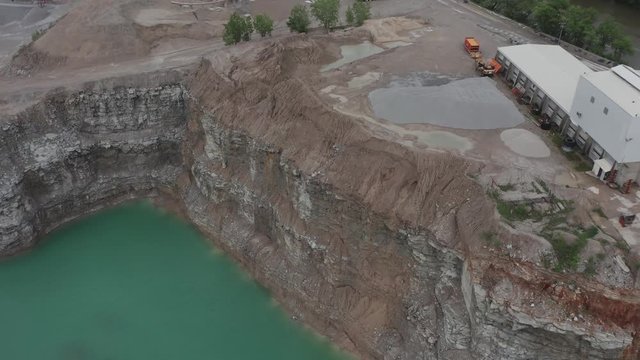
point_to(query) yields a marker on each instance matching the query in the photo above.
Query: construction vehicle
(473, 47)
(484, 68)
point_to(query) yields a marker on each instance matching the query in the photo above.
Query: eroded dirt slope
(105, 31)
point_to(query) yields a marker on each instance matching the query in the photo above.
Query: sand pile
(94, 29)
(392, 29)
(100, 31)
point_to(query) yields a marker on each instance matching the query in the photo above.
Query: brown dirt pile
(102, 31)
(392, 28)
(267, 93)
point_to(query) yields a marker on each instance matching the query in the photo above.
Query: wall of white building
(628, 171)
(610, 130)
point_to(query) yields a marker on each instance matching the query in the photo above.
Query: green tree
(579, 23)
(299, 19)
(621, 47)
(519, 10)
(263, 24)
(236, 30)
(326, 11)
(548, 15)
(592, 43)
(248, 28)
(361, 12)
(349, 16)
(608, 31)
(635, 3)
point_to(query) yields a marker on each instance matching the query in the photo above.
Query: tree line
(326, 12)
(635, 3)
(574, 24)
(239, 28)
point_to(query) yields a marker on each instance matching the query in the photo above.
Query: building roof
(554, 70)
(621, 84)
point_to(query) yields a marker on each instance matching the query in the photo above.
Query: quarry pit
(376, 225)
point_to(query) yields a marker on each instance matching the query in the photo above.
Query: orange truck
(473, 47)
(485, 68)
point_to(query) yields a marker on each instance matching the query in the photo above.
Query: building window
(606, 110)
(593, 99)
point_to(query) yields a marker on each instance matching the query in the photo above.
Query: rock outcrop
(75, 152)
(361, 238)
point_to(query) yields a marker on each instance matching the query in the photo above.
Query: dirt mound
(392, 28)
(276, 104)
(267, 95)
(28, 60)
(99, 31)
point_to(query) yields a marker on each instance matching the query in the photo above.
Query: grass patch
(589, 233)
(568, 255)
(579, 164)
(535, 188)
(620, 244)
(556, 220)
(507, 187)
(581, 167)
(516, 212)
(598, 210)
(37, 34)
(557, 139)
(491, 239)
(543, 185)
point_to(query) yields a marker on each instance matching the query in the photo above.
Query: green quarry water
(133, 283)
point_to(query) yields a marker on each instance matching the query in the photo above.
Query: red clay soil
(602, 306)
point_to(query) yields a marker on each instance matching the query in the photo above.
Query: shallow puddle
(351, 53)
(474, 103)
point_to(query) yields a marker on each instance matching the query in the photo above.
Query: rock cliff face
(78, 151)
(362, 239)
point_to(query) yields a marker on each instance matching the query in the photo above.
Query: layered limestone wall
(359, 271)
(78, 151)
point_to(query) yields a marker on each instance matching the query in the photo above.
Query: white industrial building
(607, 106)
(545, 75)
(600, 110)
